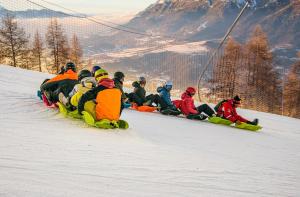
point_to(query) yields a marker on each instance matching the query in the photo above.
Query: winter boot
(254, 122)
(196, 117)
(123, 124)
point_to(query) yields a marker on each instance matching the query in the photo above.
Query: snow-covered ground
(44, 154)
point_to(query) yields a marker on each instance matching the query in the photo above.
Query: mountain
(32, 13)
(196, 20)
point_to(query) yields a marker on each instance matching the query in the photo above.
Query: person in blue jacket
(165, 95)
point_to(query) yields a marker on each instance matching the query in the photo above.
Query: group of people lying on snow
(104, 98)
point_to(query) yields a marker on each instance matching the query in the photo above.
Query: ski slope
(45, 154)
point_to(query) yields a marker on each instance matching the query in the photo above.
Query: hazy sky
(104, 6)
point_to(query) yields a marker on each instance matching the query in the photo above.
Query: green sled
(63, 110)
(104, 124)
(218, 120)
(248, 126)
(245, 126)
(89, 119)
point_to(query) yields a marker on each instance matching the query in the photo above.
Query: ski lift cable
(220, 45)
(95, 21)
(86, 16)
(92, 19)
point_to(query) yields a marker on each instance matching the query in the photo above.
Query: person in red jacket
(187, 106)
(227, 110)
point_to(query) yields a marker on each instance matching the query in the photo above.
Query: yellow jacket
(85, 85)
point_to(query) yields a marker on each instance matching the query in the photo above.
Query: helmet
(191, 90)
(101, 74)
(168, 85)
(83, 74)
(142, 80)
(70, 65)
(94, 69)
(119, 75)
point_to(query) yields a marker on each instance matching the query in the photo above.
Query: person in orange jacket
(64, 83)
(227, 110)
(107, 96)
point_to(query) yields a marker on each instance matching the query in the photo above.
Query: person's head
(70, 66)
(191, 91)
(168, 85)
(94, 69)
(83, 74)
(237, 101)
(119, 76)
(142, 81)
(101, 74)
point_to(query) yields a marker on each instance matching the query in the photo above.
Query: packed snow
(44, 154)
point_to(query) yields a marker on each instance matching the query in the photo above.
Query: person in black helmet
(119, 79)
(139, 97)
(64, 83)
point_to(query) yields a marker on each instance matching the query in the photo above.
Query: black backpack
(216, 108)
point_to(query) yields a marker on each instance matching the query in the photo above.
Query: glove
(238, 122)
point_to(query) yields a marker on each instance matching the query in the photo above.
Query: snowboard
(245, 126)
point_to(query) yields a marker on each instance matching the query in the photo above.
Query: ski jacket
(228, 111)
(165, 95)
(119, 85)
(108, 100)
(139, 90)
(186, 104)
(61, 83)
(85, 85)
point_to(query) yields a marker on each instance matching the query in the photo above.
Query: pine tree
(226, 71)
(13, 41)
(58, 44)
(291, 94)
(37, 51)
(262, 84)
(76, 52)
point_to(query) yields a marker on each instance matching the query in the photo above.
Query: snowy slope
(44, 154)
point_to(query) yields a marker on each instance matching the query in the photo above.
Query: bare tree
(2, 56)
(37, 51)
(262, 84)
(13, 41)
(292, 92)
(76, 52)
(58, 44)
(226, 71)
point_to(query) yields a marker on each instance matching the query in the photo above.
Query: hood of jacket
(159, 89)
(89, 82)
(136, 84)
(116, 80)
(185, 95)
(108, 83)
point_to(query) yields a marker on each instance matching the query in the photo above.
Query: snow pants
(206, 109)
